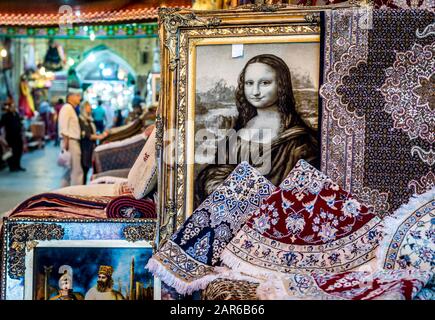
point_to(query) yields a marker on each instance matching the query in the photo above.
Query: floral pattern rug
(185, 261)
(308, 224)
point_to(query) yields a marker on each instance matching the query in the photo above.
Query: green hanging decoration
(137, 30)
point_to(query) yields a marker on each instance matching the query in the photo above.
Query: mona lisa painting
(259, 106)
(236, 87)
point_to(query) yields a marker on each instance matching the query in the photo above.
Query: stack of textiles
(129, 198)
(74, 206)
(306, 239)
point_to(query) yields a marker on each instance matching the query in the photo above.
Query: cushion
(308, 224)
(142, 177)
(185, 261)
(118, 155)
(410, 235)
(91, 190)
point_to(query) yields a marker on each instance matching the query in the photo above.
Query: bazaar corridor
(42, 174)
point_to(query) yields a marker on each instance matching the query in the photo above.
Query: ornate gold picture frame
(25, 239)
(183, 35)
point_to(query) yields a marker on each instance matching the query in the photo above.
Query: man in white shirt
(69, 130)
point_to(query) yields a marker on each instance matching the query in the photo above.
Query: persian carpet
(378, 111)
(185, 261)
(308, 224)
(410, 236)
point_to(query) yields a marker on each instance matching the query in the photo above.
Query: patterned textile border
(308, 224)
(364, 147)
(410, 236)
(185, 261)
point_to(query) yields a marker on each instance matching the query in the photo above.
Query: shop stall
(285, 152)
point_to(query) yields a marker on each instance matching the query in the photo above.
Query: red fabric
(366, 286)
(309, 208)
(310, 223)
(128, 207)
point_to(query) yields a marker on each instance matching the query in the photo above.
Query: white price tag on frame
(237, 50)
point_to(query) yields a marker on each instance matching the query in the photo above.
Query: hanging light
(4, 53)
(107, 72)
(92, 36)
(101, 65)
(71, 62)
(121, 74)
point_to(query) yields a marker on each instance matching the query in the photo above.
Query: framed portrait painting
(53, 259)
(240, 85)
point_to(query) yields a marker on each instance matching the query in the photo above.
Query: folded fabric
(70, 212)
(356, 285)
(55, 200)
(185, 261)
(91, 190)
(142, 177)
(128, 207)
(410, 235)
(308, 224)
(54, 205)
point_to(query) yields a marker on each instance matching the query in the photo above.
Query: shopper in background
(69, 130)
(11, 122)
(45, 112)
(99, 116)
(88, 137)
(137, 99)
(119, 118)
(135, 114)
(57, 107)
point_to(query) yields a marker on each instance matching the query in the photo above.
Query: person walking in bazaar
(70, 133)
(11, 122)
(88, 137)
